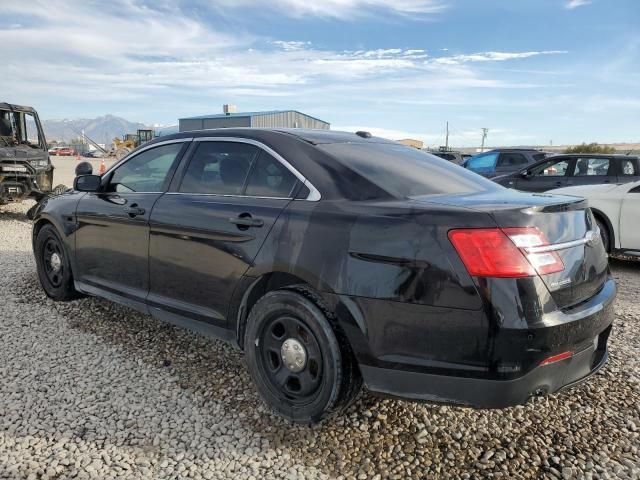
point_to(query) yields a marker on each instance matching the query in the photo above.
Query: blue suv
(503, 161)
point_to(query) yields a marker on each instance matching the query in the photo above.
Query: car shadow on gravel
(9, 215)
(375, 435)
(210, 369)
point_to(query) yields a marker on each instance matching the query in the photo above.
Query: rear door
(112, 239)
(206, 233)
(509, 162)
(629, 214)
(547, 175)
(594, 171)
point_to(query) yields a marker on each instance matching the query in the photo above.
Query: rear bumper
(483, 393)
(584, 331)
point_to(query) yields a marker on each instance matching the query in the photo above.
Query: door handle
(134, 210)
(558, 184)
(245, 221)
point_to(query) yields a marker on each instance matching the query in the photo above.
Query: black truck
(25, 167)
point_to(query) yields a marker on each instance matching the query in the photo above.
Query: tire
(604, 235)
(321, 380)
(54, 269)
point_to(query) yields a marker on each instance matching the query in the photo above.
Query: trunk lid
(566, 221)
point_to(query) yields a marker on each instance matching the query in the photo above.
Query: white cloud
(155, 65)
(492, 57)
(571, 4)
(291, 45)
(342, 9)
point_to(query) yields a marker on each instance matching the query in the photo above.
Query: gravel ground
(89, 389)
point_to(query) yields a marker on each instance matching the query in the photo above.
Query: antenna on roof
(363, 134)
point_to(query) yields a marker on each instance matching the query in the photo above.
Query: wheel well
(607, 223)
(38, 226)
(263, 285)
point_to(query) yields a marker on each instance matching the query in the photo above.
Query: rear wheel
(54, 270)
(604, 235)
(296, 360)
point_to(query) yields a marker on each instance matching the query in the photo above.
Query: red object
(65, 151)
(556, 358)
(102, 168)
(494, 252)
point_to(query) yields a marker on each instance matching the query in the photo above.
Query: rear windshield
(406, 172)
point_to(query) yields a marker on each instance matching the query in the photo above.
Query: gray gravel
(89, 389)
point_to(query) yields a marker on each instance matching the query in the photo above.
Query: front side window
(552, 169)
(270, 178)
(591, 166)
(628, 167)
(146, 172)
(219, 168)
(484, 162)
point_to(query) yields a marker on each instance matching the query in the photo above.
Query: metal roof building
(269, 119)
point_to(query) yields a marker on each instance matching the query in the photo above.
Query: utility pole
(484, 136)
(446, 138)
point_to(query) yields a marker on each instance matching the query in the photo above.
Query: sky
(531, 71)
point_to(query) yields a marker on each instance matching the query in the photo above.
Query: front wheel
(295, 359)
(54, 269)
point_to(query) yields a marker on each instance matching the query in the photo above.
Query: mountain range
(100, 129)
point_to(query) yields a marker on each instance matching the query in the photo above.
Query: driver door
(112, 237)
(547, 176)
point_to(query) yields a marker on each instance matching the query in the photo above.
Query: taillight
(495, 252)
(528, 237)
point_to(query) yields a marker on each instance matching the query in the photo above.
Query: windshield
(18, 128)
(406, 172)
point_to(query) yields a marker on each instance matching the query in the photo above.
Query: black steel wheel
(290, 358)
(54, 269)
(295, 358)
(53, 261)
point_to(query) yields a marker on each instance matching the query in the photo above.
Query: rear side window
(405, 172)
(270, 178)
(628, 167)
(219, 168)
(512, 159)
(591, 166)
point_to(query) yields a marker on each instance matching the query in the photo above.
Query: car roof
(514, 150)
(312, 136)
(17, 108)
(593, 155)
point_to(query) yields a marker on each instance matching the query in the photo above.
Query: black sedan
(571, 170)
(334, 259)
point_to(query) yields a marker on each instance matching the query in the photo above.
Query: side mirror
(84, 168)
(525, 174)
(87, 183)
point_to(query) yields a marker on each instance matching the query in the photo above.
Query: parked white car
(617, 211)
